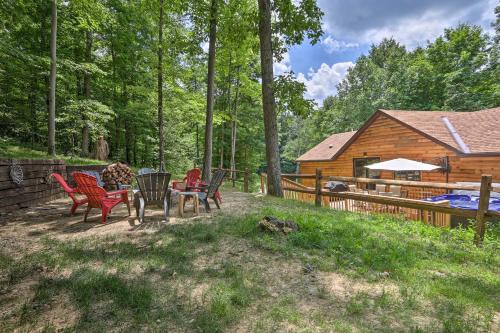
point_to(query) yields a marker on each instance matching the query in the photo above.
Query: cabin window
(407, 175)
(359, 167)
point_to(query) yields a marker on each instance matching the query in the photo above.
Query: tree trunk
(86, 93)
(207, 157)
(221, 163)
(127, 143)
(115, 140)
(234, 114)
(160, 91)
(52, 96)
(268, 103)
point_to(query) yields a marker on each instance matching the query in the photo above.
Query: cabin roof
(327, 148)
(477, 132)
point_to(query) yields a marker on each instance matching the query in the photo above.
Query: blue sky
(351, 26)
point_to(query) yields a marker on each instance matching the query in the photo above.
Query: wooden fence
(233, 176)
(411, 207)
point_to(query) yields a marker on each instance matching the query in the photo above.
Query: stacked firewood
(117, 173)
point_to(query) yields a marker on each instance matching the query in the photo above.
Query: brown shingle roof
(479, 130)
(326, 149)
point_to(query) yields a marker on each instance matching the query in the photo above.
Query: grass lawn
(341, 272)
(10, 149)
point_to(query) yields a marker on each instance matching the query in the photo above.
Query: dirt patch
(341, 286)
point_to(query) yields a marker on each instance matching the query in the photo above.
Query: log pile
(117, 173)
(272, 224)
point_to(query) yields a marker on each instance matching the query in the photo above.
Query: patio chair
(396, 189)
(154, 190)
(210, 190)
(98, 197)
(71, 192)
(380, 188)
(193, 178)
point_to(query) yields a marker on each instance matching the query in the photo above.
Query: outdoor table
(182, 198)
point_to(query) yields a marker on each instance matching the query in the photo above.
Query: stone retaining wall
(36, 185)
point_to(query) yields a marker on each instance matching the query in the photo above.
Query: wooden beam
(297, 175)
(482, 208)
(409, 183)
(317, 197)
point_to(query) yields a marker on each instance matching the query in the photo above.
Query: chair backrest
(380, 188)
(95, 174)
(153, 186)
(193, 176)
(144, 171)
(63, 183)
(217, 178)
(87, 185)
(396, 189)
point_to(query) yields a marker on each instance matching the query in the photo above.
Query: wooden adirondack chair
(71, 192)
(210, 190)
(154, 191)
(97, 196)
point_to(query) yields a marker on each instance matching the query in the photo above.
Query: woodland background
(107, 81)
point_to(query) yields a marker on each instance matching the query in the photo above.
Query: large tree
(161, 135)
(212, 35)
(293, 21)
(52, 96)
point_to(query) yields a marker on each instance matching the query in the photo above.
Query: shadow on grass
(108, 293)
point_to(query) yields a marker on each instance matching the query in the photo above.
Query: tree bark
(234, 115)
(207, 157)
(160, 91)
(87, 93)
(52, 95)
(268, 102)
(221, 162)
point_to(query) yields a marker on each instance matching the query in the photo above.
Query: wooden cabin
(465, 144)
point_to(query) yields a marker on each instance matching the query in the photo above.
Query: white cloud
(412, 23)
(323, 82)
(283, 66)
(333, 45)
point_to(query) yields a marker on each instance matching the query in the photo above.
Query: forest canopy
(107, 54)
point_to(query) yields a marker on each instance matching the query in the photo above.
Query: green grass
(10, 149)
(227, 275)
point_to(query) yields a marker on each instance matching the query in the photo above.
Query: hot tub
(465, 201)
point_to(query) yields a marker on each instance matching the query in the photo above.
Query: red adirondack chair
(97, 196)
(71, 192)
(193, 178)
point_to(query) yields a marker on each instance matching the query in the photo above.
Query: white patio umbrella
(402, 164)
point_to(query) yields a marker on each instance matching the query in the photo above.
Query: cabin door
(360, 171)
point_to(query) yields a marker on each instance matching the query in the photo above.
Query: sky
(351, 26)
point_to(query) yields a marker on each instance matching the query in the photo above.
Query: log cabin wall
(36, 186)
(388, 139)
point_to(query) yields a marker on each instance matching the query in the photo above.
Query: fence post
(317, 198)
(245, 181)
(482, 208)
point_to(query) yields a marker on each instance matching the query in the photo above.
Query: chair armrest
(119, 192)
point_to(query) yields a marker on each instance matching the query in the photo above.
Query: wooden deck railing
(233, 175)
(411, 207)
